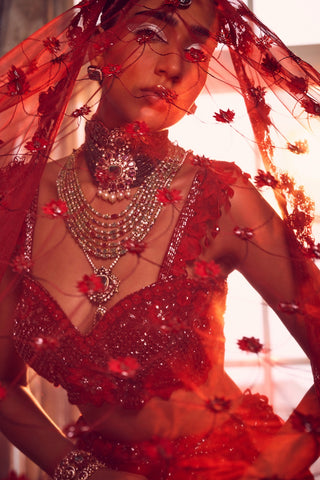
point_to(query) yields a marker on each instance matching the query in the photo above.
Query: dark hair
(110, 12)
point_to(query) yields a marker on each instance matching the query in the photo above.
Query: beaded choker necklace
(121, 158)
(104, 236)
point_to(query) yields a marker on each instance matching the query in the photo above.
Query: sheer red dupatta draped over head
(37, 81)
(43, 75)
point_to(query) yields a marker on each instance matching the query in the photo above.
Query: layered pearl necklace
(104, 235)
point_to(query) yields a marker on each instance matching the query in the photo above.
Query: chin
(159, 120)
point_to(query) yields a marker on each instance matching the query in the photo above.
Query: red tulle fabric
(41, 75)
(224, 453)
(176, 345)
(41, 82)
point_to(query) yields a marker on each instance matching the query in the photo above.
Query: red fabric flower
(52, 44)
(195, 55)
(257, 93)
(81, 112)
(257, 97)
(311, 106)
(270, 64)
(167, 94)
(18, 84)
(166, 196)
(206, 269)
(90, 284)
(145, 36)
(103, 41)
(3, 391)
(244, 233)
(298, 85)
(36, 144)
(55, 208)
(265, 179)
(298, 219)
(124, 366)
(201, 161)
(133, 246)
(21, 264)
(111, 70)
(250, 344)
(289, 307)
(313, 250)
(299, 147)
(264, 43)
(32, 66)
(137, 129)
(224, 116)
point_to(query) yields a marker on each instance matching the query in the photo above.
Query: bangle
(77, 465)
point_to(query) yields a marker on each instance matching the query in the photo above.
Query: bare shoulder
(243, 213)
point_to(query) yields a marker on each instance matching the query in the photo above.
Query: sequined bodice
(163, 337)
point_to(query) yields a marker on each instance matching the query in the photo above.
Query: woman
(116, 285)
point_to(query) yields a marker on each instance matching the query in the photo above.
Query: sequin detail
(172, 330)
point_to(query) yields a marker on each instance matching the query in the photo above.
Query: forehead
(200, 12)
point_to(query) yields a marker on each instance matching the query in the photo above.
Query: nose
(170, 64)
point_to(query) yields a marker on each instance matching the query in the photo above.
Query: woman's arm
(269, 257)
(22, 419)
(294, 447)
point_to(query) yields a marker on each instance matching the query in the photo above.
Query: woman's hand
(105, 474)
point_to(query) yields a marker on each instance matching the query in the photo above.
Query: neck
(121, 158)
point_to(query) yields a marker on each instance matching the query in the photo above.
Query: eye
(195, 53)
(148, 32)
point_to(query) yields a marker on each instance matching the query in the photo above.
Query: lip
(159, 93)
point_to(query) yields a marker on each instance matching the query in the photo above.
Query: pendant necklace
(105, 235)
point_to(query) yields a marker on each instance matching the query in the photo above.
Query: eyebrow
(159, 15)
(168, 18)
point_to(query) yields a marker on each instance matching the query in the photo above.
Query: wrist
(77, 465)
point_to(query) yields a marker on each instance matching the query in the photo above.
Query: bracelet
(77, 465)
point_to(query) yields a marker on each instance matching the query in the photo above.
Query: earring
(95, 73)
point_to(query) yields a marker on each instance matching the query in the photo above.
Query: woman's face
(157, 51)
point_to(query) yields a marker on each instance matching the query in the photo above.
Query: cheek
(195, 81)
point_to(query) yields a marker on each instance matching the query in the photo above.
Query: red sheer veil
(45, 93)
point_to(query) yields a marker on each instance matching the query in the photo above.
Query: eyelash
(155, 30)
(195, 46)
(157, 34)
